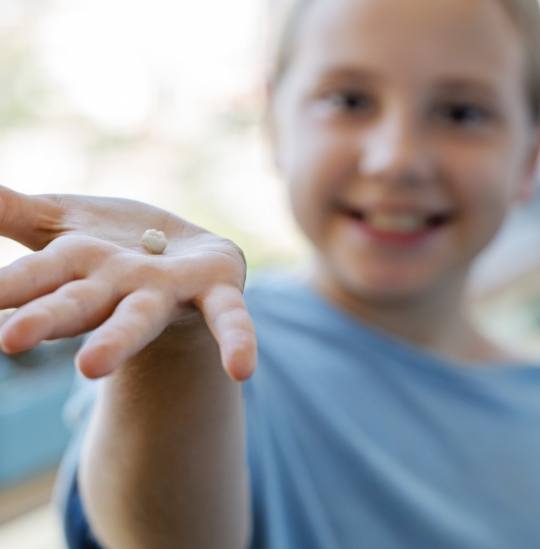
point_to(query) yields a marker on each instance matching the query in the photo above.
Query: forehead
(462, 38)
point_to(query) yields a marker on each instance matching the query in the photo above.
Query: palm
(91, 272)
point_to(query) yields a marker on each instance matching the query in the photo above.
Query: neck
(437, 321)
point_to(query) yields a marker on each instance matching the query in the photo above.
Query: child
(378, 416)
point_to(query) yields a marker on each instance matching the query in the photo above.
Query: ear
(532, 171)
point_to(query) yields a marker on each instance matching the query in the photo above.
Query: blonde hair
(524, 13)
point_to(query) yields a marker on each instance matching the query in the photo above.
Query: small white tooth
(398, 223)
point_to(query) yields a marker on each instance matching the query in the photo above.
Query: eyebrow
(349, 73)
(467, 85)
(449, 85)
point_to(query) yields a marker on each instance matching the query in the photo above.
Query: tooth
(399, 223)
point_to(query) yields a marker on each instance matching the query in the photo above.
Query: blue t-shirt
(358, 440)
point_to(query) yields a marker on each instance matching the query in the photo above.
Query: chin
(389, 288)
(386, 296)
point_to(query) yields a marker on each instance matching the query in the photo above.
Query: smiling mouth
(400, 223)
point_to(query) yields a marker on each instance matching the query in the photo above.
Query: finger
(34, 221)
(225, 313)
(5, 315)
(73, 309)
(137, 320)
(33, 276)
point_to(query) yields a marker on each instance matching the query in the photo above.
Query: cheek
(307, 200)
(484, 188)
(316, 175)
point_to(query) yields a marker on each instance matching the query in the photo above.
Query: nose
(395, 150)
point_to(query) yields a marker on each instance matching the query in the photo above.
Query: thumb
(33, 221)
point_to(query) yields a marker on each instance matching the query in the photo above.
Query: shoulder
(272, 288)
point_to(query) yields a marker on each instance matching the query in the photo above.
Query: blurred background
(162, 101)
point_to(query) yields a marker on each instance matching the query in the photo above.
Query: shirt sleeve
(77, 531)
(77, 414)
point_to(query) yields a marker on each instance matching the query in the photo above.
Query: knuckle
(66, 241)
(137, 315)
(230, 262)
(111, 335)
(141, 274)
(91, 251)
(235, 250)
(79, 298)
(236, 319)
(74, 292)
(145, 303)
(31, 314)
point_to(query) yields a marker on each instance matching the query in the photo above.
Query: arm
(163, 464)
(163, 460)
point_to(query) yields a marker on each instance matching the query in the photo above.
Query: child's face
(404, 132)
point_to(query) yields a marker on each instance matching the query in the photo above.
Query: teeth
(404, 223)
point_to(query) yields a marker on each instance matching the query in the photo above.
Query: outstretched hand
(91, 272)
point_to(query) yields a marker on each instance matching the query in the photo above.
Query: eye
(464, 114)
(351, 101)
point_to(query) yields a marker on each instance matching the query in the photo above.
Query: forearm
(163, 461)
(163, 464)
